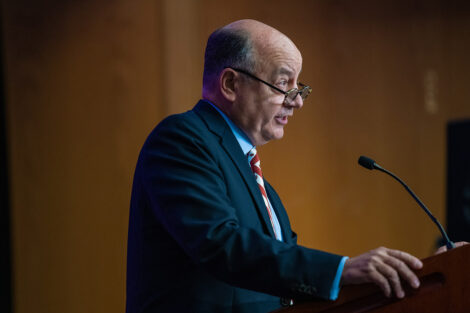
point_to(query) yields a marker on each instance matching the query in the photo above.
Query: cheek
(269, 120)
(265, 110)
(266, 115)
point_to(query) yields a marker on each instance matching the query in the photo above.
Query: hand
(384, 267)
(444, 248)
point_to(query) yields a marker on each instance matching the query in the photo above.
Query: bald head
(249, 67)
(262, 36)
(241, 44)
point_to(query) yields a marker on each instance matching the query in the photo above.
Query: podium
(445, 288)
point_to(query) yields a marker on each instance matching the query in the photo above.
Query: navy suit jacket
(200, 239)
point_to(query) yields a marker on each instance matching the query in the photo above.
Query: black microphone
(371, 165)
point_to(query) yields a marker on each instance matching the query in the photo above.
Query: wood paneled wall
(87, 80)
(84, 80)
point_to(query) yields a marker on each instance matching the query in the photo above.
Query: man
(207, 233)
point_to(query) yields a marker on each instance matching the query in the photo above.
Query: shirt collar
(241, 137)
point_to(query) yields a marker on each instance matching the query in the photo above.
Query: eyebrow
(284, 70)
(287, 71)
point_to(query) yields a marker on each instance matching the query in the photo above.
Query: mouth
(281, 119)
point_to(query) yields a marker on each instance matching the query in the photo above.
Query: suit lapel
(216, 123)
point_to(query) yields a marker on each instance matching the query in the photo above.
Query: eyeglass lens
(303, 93)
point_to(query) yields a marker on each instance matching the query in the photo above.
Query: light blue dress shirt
(246, 146)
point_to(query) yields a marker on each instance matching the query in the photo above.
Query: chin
(274, 135)
(277, 135)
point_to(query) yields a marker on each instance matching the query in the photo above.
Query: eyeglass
(290, 95)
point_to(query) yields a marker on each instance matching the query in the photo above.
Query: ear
(228, 81)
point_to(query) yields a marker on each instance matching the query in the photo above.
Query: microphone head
(366, 162)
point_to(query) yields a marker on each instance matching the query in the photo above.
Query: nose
(297, 103)
(300, 101)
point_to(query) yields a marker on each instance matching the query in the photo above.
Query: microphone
(371, 165)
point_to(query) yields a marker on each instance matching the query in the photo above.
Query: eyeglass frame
(285, 93)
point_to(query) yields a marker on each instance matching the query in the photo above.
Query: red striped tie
(256, 168)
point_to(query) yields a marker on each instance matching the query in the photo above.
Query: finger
(441, 250)
(410, 260)
(444, 248)
(377, 278)
(402, 270)
(392, 278)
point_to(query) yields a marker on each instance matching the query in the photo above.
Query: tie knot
(255, 163)
(253, 156)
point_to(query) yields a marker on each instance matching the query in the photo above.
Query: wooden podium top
(445, 287)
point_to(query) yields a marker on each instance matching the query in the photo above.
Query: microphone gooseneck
(370, 164)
